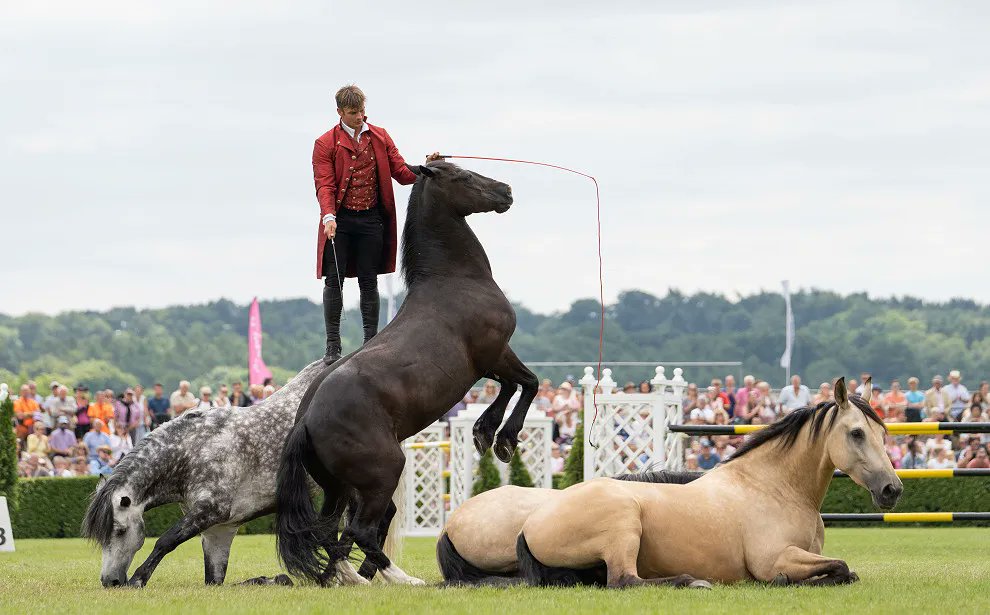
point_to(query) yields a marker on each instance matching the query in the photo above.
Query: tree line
(207, 344)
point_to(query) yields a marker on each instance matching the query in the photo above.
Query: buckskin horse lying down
(645, 534)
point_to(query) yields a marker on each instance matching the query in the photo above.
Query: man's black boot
(332, 303)
(370, 307)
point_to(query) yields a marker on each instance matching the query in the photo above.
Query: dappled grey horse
(219, 464)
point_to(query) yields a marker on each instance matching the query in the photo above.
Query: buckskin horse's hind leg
(795, 566)
(516, 371)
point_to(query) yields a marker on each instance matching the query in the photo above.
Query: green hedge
(54, 507)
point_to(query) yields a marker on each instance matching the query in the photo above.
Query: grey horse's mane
(786, 430)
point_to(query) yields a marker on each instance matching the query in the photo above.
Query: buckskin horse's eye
(857, 434)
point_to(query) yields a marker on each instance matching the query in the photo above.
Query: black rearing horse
(452, 329)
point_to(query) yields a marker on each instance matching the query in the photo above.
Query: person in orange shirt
(24, 408)
(102, 409)
(895, 403)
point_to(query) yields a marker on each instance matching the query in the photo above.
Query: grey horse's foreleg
(191, 524)
(216, 552)
(516, 371)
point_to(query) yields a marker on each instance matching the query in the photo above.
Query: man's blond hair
(350, 97)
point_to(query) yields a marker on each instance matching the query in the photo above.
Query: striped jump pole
(899, 429)
(944, 473)
(908, 517)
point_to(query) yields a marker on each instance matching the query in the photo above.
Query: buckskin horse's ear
(868, 389)
(840, 392)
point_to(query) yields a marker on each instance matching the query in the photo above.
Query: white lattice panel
(425, 508)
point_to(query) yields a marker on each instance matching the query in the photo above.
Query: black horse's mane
(786, 430)
(409, 232)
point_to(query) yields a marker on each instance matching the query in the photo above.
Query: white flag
(785, 359)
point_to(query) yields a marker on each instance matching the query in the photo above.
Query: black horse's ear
(426, 171)
(125, 502)
(414, 168)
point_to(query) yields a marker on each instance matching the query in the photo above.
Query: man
(915, 401)
(352, 165)
(182, 399)
(159, 406)
(708, 459)
(795, 396)
(102, 409)
(61, 405)
(95, 438)
(937, 400)
(33, 387)
(24, 408)
(238, 397)
(958, 395)
(49, 401)
(62, 439)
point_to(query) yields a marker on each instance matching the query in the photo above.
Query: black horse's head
(465, 192)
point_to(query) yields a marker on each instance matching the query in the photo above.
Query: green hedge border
(54, 507)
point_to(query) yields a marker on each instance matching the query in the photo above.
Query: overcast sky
(159, 153)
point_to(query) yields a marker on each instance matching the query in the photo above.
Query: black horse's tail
(536, 573)
(300, 531)
(458, 571)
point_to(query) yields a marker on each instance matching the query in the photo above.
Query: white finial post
(607, 384)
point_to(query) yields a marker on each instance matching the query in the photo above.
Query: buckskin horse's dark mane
(786, 430)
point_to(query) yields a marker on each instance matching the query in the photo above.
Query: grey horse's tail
(537, 573)
(300, 530)
(458, 571)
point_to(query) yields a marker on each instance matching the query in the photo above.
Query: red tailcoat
(331, 168)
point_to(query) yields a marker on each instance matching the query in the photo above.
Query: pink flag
(257, 370)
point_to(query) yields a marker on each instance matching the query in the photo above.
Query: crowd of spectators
(62, 435)
(88, 433)
(756, 403)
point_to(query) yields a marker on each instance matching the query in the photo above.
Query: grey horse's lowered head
(202, 459)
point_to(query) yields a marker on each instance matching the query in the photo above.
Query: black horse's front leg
(516, 371)
(488, 423)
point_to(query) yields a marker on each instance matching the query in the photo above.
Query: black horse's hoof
(482, 441)
(504, 449)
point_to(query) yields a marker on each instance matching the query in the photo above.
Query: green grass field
(902, 570)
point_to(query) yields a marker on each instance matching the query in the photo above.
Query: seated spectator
(61, 467)
(95, 438)
(702, 414)
(984, 392)
(914, 457)
(915, 402)
(716, 384)
(794, 396)
(120, 443)
(268, 391)
(980, 460)
(691, 463)
(645, 387)
(747, 410)
(37, 442)
(969, 453)
(937, 442)
(556, 459)
(823, 395)
(80, 467)
(744, 392)
(488, 392)
(942, 460)
(937, 400)
(690, 401)
(768, 409)
(708, 458)
(894, 451)
(62, 439)
(34, 466)
(629, 387)
(104, 462)
(567, 426)
(895, 403)
(723, 448)
(974, 414)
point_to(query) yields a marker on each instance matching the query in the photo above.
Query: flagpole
(785, 359)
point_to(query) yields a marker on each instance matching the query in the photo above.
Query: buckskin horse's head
(465, 192)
